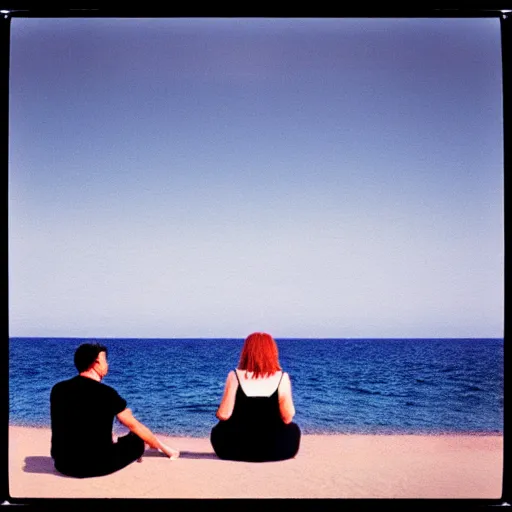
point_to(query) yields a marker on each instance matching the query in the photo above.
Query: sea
(339, 386)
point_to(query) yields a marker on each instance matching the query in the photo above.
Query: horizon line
(275, 337)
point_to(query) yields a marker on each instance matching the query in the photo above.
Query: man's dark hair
(86, 354)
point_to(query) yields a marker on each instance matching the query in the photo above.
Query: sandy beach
(327, 466)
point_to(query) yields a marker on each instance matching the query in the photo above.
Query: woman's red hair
(260, 355)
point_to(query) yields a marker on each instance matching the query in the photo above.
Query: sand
(327, 466)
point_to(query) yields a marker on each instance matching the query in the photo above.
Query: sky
(311, 178)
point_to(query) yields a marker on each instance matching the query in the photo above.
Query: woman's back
(258, 386)
(257, 402)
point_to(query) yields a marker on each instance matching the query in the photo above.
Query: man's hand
(170, 452)
(128, 420)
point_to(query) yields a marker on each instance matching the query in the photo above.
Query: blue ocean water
(174, 386)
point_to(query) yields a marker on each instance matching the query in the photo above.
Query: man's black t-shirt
(82, 417)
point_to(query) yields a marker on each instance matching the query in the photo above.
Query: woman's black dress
(255, 432)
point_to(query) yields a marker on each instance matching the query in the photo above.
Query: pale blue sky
(213, 177)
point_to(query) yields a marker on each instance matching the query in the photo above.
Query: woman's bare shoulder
(231, 378)
(285, 379)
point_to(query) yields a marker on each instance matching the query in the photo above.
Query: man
(82, 417)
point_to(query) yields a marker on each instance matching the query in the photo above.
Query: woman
(256, 410)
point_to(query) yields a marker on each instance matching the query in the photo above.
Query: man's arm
(128, 420)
